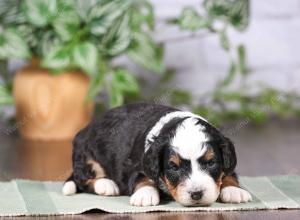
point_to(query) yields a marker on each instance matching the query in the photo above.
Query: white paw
(145, 196)
(69, 188)
(106, 187)
(232, 194)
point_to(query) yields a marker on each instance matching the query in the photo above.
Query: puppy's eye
(173, 166)
(210, 163)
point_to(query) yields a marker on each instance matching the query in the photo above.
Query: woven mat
(29, 198)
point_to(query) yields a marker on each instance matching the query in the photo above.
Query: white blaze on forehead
(189, 140)
(164, 120)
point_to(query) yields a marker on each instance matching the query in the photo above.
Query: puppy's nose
(197, 195)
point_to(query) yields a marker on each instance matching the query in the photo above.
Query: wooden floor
(269, 150)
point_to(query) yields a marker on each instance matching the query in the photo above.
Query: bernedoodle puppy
(147, 150)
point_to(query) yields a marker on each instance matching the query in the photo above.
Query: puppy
(144, 150)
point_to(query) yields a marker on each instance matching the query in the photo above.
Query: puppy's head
(190, 156)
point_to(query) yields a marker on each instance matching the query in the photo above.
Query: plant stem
(192, 36)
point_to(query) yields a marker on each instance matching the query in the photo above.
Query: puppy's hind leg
(90, 177)
(100, 184)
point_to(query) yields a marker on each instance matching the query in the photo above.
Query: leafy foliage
(223, 103)
(83, 34)
(89, 34)
(5, 96)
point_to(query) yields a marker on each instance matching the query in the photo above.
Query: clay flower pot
(50, 107)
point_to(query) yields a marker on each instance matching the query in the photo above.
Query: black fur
(117, 141)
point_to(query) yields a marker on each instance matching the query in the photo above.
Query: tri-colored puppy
(144, 150)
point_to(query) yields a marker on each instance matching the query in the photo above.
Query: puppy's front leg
(231, 191)
(144, 191)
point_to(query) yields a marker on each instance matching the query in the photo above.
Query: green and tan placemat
(24, 197)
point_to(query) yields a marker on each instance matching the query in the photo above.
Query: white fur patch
(232, 194)
(198, 180)
(164, 120)
(69, 188)
(145, 196)
(106, 187)
(189, 140)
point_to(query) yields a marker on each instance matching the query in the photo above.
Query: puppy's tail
(69, 187)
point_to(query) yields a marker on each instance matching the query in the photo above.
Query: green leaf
(217, 8)
(146, 53)
(148, 12)
(48, 41)
(12, 45)
(224, 40)
(6, 97)
(118, 37)
(83, 7)
(95, 85)
(180, 97)
(57, 59)
(234, 12)
(40, 12)
(125, 81)
(10, 13)
(109, 8)
(116, 97)
(230, 75)
(66, 23)
(141, 14)
(85, 56)
(122, 82)
(102, 16)
(242, 59)
(190, 19)
(232, 96)
(239, 14)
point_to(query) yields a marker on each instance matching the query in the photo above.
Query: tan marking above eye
(97, 168)
(209, 155)
(175, 159)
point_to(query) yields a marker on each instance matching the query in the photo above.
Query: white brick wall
(272, 41)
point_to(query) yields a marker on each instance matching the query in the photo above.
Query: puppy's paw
(145, 196)
(69, 188)
(232, 194)
(106, 187)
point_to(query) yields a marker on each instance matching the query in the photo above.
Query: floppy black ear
(229, 156)
(152, 160)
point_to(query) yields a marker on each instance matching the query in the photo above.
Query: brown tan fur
(172, 189)
(209, 155)
(229, 181)
(98, 171)
(144, 182)
(219, 181)
(175, 159)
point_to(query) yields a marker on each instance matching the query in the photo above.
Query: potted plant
(70, 46)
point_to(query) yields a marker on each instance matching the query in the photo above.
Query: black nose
(197, 195)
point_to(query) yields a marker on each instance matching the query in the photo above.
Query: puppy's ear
(229, 156)
(152, 161)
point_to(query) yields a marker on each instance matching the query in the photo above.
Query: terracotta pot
(50, 107)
